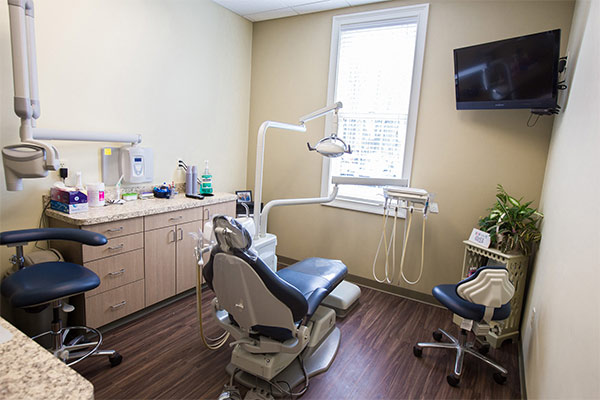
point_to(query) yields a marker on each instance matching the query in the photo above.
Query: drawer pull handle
(116, 273)
(119, 229)
(181, 233)
(176, 218)
(121, 304)
(116, 247)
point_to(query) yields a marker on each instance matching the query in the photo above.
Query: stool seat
(446, 294)
(45, 282)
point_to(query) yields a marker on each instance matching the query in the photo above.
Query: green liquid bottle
(206, 188)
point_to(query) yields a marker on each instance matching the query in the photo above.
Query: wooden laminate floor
(163, 357)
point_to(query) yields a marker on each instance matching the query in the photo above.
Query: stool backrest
(488, 286)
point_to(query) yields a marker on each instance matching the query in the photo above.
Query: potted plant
(513, 225)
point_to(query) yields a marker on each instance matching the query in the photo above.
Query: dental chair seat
(45, 282)
(315, 278)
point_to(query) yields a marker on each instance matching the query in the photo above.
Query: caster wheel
(484, 349)
(437, 336)
(417, 351)
(453, 380)
(115, 359)
(499, 378)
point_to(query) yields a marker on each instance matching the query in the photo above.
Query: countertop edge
(138, 208)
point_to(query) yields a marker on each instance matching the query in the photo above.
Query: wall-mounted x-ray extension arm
(33, 158)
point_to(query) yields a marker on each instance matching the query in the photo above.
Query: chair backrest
(245, 296)
(488, 286)
(236, 276)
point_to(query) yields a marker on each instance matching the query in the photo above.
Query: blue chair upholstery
(45, 282)
(491, 288)
(34, 235)
(446, 294)
(50, 282)
(301, 286)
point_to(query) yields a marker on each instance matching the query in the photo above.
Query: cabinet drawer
(114, 304)
(117, 270)
(171, 218)
(118, 228)
(114, 246)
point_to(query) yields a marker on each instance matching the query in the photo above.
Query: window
(375, 71)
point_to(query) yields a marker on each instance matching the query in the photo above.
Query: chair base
(315, 360)
(72, 350)
(462, 347)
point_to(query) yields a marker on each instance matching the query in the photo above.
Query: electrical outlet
(63, 163)
(532, 318)
(433, 208)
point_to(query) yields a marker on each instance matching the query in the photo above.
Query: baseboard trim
(284, 261)
(522, 371)
(394, 290)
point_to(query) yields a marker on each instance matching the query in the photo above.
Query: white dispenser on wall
(136, 164)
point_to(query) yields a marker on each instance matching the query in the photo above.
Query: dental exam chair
(282, 336)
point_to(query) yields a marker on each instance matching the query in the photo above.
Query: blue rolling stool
(38, 285)
(479, 299)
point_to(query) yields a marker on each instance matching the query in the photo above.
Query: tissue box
(68, 195)
(68, 208)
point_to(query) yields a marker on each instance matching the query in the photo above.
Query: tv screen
(520, 72)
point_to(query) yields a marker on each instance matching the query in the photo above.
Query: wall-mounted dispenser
(134, 163)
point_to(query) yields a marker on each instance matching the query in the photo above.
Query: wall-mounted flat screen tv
(520, 72)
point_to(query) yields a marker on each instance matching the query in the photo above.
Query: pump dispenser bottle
(206, 189)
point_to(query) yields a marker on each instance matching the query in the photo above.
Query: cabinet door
(159, 257)
(211, 210)
(186, 260)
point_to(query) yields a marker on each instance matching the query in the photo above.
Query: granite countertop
(28, 371)
(137, 208)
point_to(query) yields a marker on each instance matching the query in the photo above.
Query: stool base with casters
(462, 347)
(480, 298)
(48, 283)
(73, 349)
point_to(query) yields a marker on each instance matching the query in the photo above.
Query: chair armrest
(70, 234)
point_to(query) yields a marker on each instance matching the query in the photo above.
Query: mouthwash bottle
(206, 189)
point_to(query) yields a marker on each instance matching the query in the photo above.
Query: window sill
(361, 206)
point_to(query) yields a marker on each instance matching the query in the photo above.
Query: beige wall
(459, 155)
(561, 351)
(177, 72)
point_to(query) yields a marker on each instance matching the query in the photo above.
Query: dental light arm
(319, 113)
(264, 215)
(260, 155)
(260, 158)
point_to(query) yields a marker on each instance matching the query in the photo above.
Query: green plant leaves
(512, 224)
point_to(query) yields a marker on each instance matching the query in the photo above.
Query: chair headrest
(488, 286)
(230, 234)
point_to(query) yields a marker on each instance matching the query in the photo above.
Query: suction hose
(209, 343)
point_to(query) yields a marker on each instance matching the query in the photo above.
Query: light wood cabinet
(186, 259)
(146, 260)
(114, 304)
(117, 271)
(159, 255)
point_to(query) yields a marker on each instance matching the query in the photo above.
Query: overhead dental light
(33, 158)
(331, 146)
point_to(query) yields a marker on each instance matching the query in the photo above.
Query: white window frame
(418, 13)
